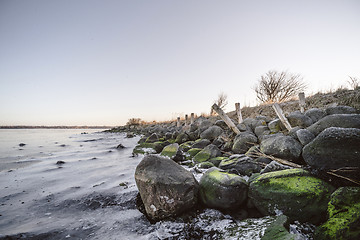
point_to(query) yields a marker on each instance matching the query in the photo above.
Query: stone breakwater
(310, 174)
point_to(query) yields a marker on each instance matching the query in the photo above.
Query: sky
(89, 62)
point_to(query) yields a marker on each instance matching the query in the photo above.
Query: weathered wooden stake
(282, 117)
(178, 122)
(186, 120)
(238, 112)
(226, 119)
(192, 118)
(302, 102)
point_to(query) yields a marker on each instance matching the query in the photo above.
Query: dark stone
(304, 136)
(315, 114)
(152, 138)
(336, 120)
(120, 146)
(244, 165)
(284, 147)
(166, 188)
(334, 148)
(201, 143)
(243, 141)
(22, 144)
(211, 133)
(60, 162)
(299, 119)
(340, 110)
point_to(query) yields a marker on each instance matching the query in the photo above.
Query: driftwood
(226, 118)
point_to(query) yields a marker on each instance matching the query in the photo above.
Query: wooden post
(238, 112)
(186, 120)
(192, 118)
(302, 102)
(226, 118)
(178, 122)
(282, 117)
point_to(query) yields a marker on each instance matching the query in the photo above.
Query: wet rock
(340, 110)
(304, 136)
(299, 119)
(334, 148)
(192, 152)
(243, 141)
(206, 165)
(120, 146)
(222, 190)
(173, 151)
(344, 215)
(284, 147)
(182, 137)
(186, 145)
(294, 192)
(60, 162)
(336, 120)
(208, 152)
(130, 135)
(166, 188)
(315, 114)
(201, 143)
(217, 160)
(22, 144)
(277, 230)
(243, 165)
(211, 133)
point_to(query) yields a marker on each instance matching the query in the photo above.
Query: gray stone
(304, 136)
(208, 152)
(315, 114)
(173, 151)
(340, 110)
(335, 120)
(275, 126)
(211, 133)
(284, 147)
(201, 143)
(243, 166)
(274, 166)
(243, 142)
(260, 130)
(334, 148)
(222, 190)
(152, 138)
(222, 124)
(165, 187)
(299, 119)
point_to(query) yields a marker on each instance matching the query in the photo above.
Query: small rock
(60, 162)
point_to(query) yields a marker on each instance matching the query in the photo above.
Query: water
(66, 185)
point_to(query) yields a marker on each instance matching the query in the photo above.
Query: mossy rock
(208, 152)
(172, 151)
(294, 192)
(223, 190)
(192, 152)
(186, 145)
(144, 148)
(206, 165)
(217, 160)
(278, 231)
(344, 215)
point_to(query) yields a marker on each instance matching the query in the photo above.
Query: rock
(222, 124)
(299, 119)
(219, 142)
(304, 136)
(275, 126)
(120, 146)
(242, 127)
(336, 120)
(315, 114)
(173, 151)
(165, 187)
(60, 162)
(182, 137)
(243, 141)
(186, 145)
(144, 148)
(274, 166)
(253, 123)
(152, 138)
(130, 135)
(283, 147)
(334, 148)
(344, 215)
(211, 133)
(244, 166)
(205, 124)
(277, 230)
(201, 143)
(206, 165)
(222, 190)
(22, 144)
(340, 110)
(260, 130)
(192, 152)
(208, 152)
(294, 192)
(217, 160)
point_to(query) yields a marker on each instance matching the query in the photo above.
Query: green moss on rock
(192, 152)
(202, 156)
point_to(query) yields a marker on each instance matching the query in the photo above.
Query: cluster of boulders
(242, 171)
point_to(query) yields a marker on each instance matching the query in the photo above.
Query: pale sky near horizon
(89, 62)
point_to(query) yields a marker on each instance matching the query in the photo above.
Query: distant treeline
(56, 127)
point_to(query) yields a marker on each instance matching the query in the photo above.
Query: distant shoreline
(56, 127)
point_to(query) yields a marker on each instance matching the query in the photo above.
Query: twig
(339, 176)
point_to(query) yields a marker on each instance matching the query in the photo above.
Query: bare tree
(133, 122)
(221, 101)
(354, 82)
(277, 86)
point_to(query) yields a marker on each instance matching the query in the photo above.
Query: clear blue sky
(103, 62)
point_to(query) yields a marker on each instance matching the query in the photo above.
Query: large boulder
(299, 119)
(294, 192)
(243, 141)
(222, 190)
(166, 188)
(334, 148)
(284, 147)
(336, 120)
(340, 110)
(344, 215)
(201, 143)
(173, 151)
(208, 152)
(243, 165)
(211, 133)
(304, 136)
